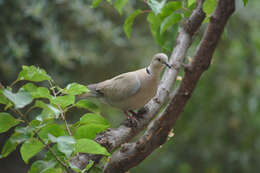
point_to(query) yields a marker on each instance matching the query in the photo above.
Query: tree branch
(113, 138)
(131, 154)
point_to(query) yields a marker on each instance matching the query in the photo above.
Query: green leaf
(3, 99)
(30, 148)
(75, 168)
(20, 99)
(49, 155)
(245, 2)
(25, 133)
(96, 170)
(129, 22)
(155, 23)
(53, 129)
(90, 146)
(89, 165)
(75, 89)
(53, 170)
(41, 166)
(95, 3)
(37, 92)
(63, 101)
(91, 118)
(7, 122)
(9, 147)
(119, 5)
(86, 104)
(209, 6)
(90, 130)
(65, 144)
(48, 111)
(32, 73)
(20, 135)
(190, 2)
(156, 6)
(169, 21)
(169, 8)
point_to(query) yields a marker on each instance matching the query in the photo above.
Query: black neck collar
(148, 71)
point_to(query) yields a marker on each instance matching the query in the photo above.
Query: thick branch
(131, 154)
(113, 138)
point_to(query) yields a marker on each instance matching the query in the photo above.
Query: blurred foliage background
(219, 129)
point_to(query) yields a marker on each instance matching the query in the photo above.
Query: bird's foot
(131, 119)
(141, 112)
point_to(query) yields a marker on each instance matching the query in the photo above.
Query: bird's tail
(92, 92)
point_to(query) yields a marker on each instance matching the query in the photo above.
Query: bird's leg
(133, 113)
(141, 112)
(131, 118)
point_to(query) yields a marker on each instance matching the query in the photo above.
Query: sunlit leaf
(63, 101)
(75, 89)
(190, 2)
(20, 99)
(129, 22)
(245, 2)
(169, 8)
(156, 6)
(48, 111)
(169, 21)
(90, 146)
(7, 122)
(119, 5)
(41, 166)
(20, 135)
(30, 148)
(155, 23)
(95, 3)
(89, 165)
(53, 129)
(32, 73)
(65, 144)
(91, 118)
(3, 99)
(86, 104)
(90, 130)
(37, 92)
(8, 147)
(208, 7)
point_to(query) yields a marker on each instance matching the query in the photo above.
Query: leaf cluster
(48, 130)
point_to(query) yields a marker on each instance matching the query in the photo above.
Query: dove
(132, 90)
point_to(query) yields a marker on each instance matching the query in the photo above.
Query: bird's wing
(120, 87)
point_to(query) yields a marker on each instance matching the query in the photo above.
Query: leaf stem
(14, 82)
(65, 121)
(68, 169)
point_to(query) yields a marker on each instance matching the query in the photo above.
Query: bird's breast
(146, 92)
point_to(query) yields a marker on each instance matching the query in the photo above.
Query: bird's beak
(167, 65)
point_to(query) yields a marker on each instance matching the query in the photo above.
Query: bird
(132, 90)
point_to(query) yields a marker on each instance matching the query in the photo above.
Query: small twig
(1, 86)
(20, 114)
(41, 140)
(52, 152)
(62, 112)
(28, 110)
(146, 11)
(65, 121)
(14, 82)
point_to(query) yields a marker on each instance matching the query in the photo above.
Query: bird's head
(159, 61)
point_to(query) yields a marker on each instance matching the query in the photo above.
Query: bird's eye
(159, 59)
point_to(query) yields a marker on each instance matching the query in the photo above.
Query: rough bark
(131, 154)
